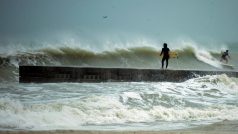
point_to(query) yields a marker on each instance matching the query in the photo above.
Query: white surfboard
(173, 54)
(227, 66)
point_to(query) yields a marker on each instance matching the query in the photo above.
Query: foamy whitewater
(119, 105)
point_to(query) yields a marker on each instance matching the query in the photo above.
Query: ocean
(116, 105)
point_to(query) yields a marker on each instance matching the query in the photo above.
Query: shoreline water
(223, 127)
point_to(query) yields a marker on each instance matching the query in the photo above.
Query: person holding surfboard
(224, 56)
(165, 52)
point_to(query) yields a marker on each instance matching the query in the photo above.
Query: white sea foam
(17, 115)
(73, 106)
(206, 57)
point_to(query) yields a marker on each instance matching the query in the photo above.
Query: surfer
(224, 56)
(165, 52)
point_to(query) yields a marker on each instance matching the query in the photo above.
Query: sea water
(115, 105)
(119, 105)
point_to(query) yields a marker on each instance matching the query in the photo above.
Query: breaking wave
(75, 106)
(129, 57)
(189, 56)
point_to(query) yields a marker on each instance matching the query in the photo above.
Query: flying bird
(104, 17)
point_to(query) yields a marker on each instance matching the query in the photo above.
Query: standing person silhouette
(165, 52)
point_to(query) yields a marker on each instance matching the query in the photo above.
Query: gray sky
(165, 19)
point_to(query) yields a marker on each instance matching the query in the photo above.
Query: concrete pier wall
(44, 74)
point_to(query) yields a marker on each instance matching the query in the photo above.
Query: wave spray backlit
(144, 55)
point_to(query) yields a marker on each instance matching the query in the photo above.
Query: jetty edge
(49, 74)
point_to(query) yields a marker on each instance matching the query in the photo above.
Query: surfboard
(173, 54)
(227, 65)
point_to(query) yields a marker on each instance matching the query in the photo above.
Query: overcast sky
(165, 19)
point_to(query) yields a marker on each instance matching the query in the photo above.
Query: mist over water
(137, 53)
(116, 106)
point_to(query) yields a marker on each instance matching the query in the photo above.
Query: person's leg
(223, 58)
(162, 62)
(226, 60)
(167, 62)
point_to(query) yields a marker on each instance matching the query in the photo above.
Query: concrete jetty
(46, 74)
